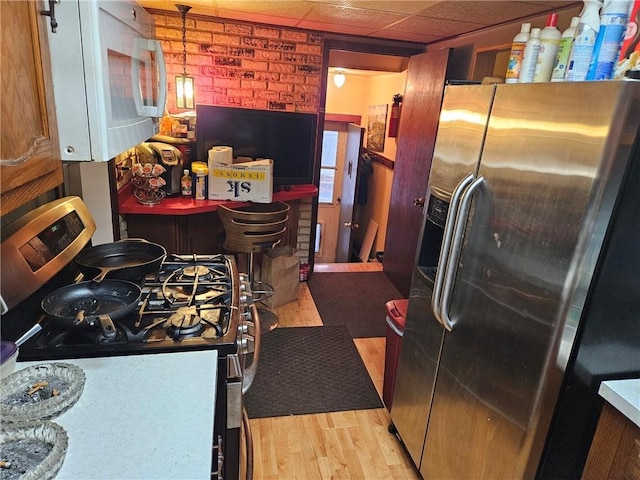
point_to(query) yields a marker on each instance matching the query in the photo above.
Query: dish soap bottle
(531, 52)
(564, 50)
(613, 23)
(185, 184)
(516, 54)
(549, 41)
(584, 42)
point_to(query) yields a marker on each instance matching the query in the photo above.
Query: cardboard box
(243, 182)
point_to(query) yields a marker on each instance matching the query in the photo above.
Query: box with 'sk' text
(244, 182)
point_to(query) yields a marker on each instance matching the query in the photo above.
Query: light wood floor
(339, 445)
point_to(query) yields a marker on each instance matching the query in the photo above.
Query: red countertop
(128, 205)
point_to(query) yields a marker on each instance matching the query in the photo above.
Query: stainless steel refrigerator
(526, 290)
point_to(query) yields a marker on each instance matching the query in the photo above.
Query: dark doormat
(305, 370)
(354, 299)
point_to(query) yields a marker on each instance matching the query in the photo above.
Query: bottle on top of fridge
(516, 54)
(613, 23)
(584, 41)
(530, 58)
(549, 41)
(564, 49)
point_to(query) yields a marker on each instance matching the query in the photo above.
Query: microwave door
(148, 77)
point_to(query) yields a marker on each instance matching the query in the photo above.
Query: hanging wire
(184, 9)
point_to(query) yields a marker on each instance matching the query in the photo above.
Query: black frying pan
(128, 259)
(92, 304)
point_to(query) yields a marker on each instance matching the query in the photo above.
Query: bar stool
(250, 230)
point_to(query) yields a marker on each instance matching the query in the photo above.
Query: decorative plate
(40, 392)
(32, 450)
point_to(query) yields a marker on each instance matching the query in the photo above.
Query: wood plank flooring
(337, 445)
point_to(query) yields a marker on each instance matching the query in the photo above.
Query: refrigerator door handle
(454, 256)
(452, 213)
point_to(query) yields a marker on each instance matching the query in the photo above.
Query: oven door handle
(250, 372)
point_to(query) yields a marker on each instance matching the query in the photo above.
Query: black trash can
(396, 319)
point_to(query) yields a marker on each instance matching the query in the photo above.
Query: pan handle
(105, 323)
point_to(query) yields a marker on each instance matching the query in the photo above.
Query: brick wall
(247, 66)
(242, 64)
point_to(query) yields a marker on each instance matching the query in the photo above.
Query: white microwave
(109, 77)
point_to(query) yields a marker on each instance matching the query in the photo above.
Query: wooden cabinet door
(424, 90)
(30, 162)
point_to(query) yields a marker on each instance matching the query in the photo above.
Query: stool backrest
(254, 227)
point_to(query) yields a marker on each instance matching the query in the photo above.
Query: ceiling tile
(487, 13)
(434, 26)
(351, 16)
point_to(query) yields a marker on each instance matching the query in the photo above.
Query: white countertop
(624, 395)
(141, 417)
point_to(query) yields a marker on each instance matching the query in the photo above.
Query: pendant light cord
(184, 9)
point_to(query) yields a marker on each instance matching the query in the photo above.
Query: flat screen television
(289, 138)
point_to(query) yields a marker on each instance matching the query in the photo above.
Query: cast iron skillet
(129, 259)
(92, 304)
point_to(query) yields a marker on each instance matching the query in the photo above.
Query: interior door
(355, 135)
(424, 90)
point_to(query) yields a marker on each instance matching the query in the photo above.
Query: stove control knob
(247, 344)
(246, 299)
(244, 278)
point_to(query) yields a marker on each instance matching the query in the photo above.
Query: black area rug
(305, 370)
(354, 299)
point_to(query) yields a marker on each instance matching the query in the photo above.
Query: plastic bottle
(185, 184)
(564, 50)
(200, 180)
(516, 54)
(613, 23)
(530, 58)
(549, 41)
(584, 42)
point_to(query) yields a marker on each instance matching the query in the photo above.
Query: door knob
(351, 225)
(418, 202)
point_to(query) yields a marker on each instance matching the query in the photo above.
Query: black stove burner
(188, 303)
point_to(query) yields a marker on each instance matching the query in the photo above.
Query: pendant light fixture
(339, 78)
(185, 85)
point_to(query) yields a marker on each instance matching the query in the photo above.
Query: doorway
(347, 105)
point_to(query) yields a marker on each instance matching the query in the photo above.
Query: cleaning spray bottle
(613, 22)
(564, 49)
(516, 54)
(549, 41)
(531, 52)
(584, 42)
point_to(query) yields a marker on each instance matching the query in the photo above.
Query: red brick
(292, 78)
(209, 26)
(308, 48)
(254, 103)
(280, 87)
(268, 55)
(233, 92)
(226, 39)
(259, 31)
(253, 84)
(253, 65)
(268, 95)
(296, 36)
(282, 67)
(242, 29)
(227, 82)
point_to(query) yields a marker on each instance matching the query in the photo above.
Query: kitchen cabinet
(30, 162)
(424, 90)
(615, 450)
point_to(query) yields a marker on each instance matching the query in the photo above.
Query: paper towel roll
(221, 154)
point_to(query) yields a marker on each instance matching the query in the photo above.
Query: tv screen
(289, 138)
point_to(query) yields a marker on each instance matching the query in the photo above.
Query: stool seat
(251, 229)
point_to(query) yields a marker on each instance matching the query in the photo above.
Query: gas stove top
(191, 302)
